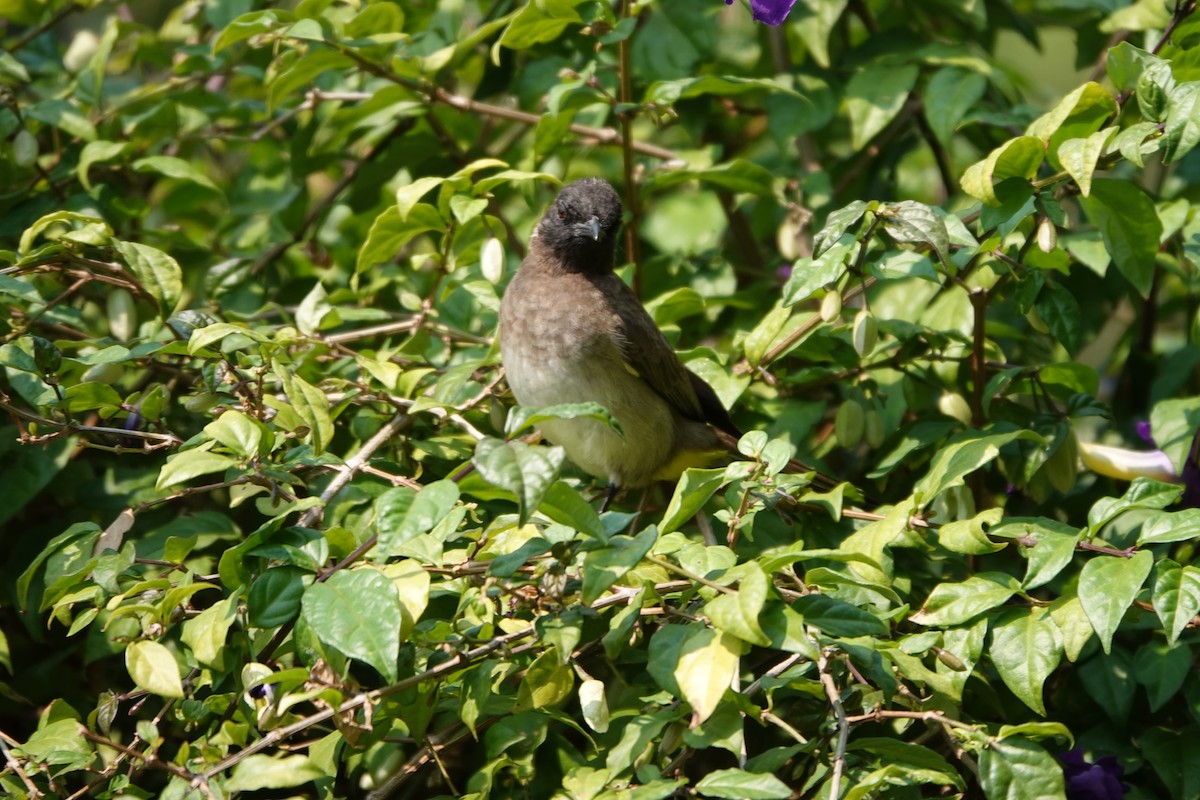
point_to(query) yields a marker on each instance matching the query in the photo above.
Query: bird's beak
(593, 227)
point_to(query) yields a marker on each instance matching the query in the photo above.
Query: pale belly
(645, 419)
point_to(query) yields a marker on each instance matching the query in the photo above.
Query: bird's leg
(609, 494)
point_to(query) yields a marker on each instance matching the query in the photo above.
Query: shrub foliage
(272, 525)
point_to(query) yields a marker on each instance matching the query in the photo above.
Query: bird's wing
(647, 352)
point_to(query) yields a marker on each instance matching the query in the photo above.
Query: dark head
(580, 228)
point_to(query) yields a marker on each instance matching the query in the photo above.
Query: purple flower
(772, 12)
(1099, 781)
(1191, 476)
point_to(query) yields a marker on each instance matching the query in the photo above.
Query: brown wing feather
(715, 413)
(647, 351)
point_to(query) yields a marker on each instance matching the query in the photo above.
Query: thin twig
(461, 661)
(33, 33)
(310, 219)
(15, 766)
(598, 135)
(839, 713)
(353, 464)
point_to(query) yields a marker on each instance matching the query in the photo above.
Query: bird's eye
(562, 214)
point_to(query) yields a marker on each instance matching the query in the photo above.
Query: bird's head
(580, 228)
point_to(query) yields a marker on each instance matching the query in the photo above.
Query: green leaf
(967, 536)
(90, 396)
(1181, 132)
(546, 684)
(11, 70)
(50, 220)
(1026, 648)
(537, 22)
(355, 612)
(1172, 754)
(738, 613)
(402, 515)
(593, 705)
(153, 668)
(810, 274)
(206, 633)
(182, 467)
(606, 565)
(951, 93)
(410, 194)
(707, 665)
(837, 617)
(1132, 142)
(201, 338)
(965, 454)
(314, 310)
(526, 471)
(244, 436)
(1060, 310)
(1109, 679)
(156, 271)
(738, 175)
(254, 23)
(1052, 552)
(1018, 769)
(1162, 669)
(837, 223)
(1143, 493)
(59, 744)
(956, 603)
(390, 232)
(694, 489)
(522, 417)
(64, 116)
(1080, 113)
(1108, 586)
(1016, 158)
(1125, 217)
(1170, 526)
(1080, 156)
(874, 96)
(567, 506)
(1173, 424)
(667, 93)
(910, 222)
(815, 22)
(1125, 63)
(259, 771)
(914, 762)
(94, 153)
(738, 784)
(1176, 597)
(1153, 90)
(275, 596)
(177, 169)
(310, 403)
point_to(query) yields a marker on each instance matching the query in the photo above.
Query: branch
(459, 662)
(462, 103)
(843, 725)
(599, 135)
(353, 464)
(15, 766)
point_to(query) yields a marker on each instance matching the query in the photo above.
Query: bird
(571, 331)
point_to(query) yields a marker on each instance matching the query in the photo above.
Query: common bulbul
(571, 331)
